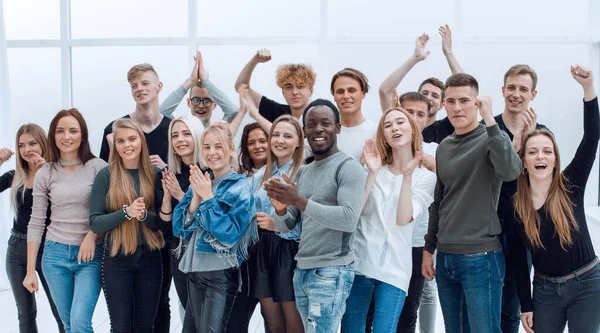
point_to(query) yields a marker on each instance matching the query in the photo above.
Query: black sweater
(23, 203)
(553, 260)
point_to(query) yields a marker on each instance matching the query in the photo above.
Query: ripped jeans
(321, 295)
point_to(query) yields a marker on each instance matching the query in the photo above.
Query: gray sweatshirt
(335, 195)
(168, 106)
(470, 170)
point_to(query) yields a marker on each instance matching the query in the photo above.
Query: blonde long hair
(122, 192)
(196, 128)
(558, 203)
(298, 157)
(384, 148)
(21, 176)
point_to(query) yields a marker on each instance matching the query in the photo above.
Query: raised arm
(414, 197)
(453, 63)
(372, 159)
(168, 106)
(393, 80)
(262, 55)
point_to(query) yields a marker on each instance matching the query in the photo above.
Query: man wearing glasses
(203, 98)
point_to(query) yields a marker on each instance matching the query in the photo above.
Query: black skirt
(271, 267)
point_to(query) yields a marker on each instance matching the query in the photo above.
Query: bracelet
(169, 213)
(145, 216)
(126, 215)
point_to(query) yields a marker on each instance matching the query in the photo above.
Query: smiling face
(540, 157)
(518, 93)
(284, 141)
(29, 147)
(145, 88)
(216, 154)
(128, 145)
(182, 140)
(321, 130)
(461, 108)
(258, 146)
(68, 135)
(348, 95)
(201, 97)
(434, 95)
(397, 130)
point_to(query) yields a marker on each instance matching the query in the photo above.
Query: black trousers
(408, 317)
(16, 269)
(243, 307)
(162, 323)
(210, 298)
(132, 286)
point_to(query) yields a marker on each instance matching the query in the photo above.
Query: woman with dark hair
(32, 147)
(253, 149)
(549, 222)
(72, 253)
(122, 210)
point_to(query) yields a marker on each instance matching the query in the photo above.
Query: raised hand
(372, 156)
(137, 209)
(582, 75)
(202, 75)
(528, 125)
(420, 44)
(5, 154)
(446, 34)
(395, 99)
(264, 221)
(484, 104)
(262, 55)
(247, 101)
(412, 165)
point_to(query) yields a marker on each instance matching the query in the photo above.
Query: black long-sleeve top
(23, 203)
(183, 179)
(553, 260)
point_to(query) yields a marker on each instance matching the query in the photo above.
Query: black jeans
(16, 269)
(573, 303)
(243, 307)
(180, 279)
(408, 317)
(162, 323)
(510, 316)
(131, 286)
(210, 298)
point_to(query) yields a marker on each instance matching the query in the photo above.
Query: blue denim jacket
(227, 221)
(262, 202)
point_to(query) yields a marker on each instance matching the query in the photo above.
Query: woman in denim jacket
(216, 216)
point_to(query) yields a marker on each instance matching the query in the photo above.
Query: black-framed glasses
(197, 100)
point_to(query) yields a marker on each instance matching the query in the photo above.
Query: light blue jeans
(321, 295)
(388, 305)
(470, 291)
(428, 307)
(74, 287)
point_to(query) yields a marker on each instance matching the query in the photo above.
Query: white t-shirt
(422, 222)
(383, 250)
(351, 140)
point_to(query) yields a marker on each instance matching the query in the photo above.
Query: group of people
(320, 215)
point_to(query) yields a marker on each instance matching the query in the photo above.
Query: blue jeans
(470, 291)
(574, 302)
(388, 305)
(74, 287)
(321, 295)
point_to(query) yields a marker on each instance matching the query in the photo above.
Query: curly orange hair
(295, 73)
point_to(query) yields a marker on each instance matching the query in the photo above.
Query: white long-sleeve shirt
(384, 249)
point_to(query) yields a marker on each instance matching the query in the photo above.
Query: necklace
(69, 163)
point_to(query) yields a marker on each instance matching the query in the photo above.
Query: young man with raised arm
(432, 88)
(203, 97)
(464, 227)
(326, 197)
(295, 80)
